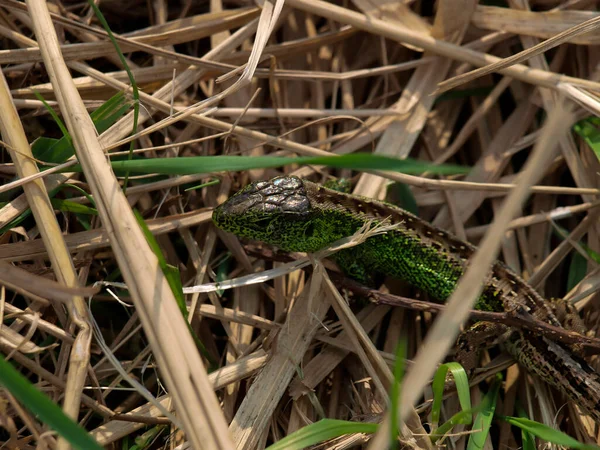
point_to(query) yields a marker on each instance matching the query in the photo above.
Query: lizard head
(277, 211)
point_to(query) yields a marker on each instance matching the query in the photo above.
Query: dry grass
(294, 77)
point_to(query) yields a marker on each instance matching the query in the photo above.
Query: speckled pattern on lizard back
(298, 215)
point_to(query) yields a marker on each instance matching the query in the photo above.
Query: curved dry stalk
(164, 324)
(37, 198)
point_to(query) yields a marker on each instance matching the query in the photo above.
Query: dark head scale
(264, 209)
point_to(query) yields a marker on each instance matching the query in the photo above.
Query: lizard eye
(309, 230)
(262, 224)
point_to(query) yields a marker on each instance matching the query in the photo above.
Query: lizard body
(298, 215)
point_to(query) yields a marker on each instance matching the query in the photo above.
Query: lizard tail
(559, 368)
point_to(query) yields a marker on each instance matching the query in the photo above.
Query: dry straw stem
(241, 369)
(266, 23)
(10, 339)
(321, 377)
(585, 99)
(379, 372)
(99, 238)
(395, 12)
(123, 127)
(291, 344)
(237, 316)
(488, 167)
(37, 198)
(89, 86)
(306, 150)
(322, 364)
(27, 284)
(563, 249)
(183, 81)
(163, 323)
(585, 290)
(565, 36)
(55, 381)
(446, 327)
(400, 136)
(539, 24)
(401, 34)
(526, 221)
(372, 361)
(567, 144)
(29, 317)
(74, 52)
(474, 120)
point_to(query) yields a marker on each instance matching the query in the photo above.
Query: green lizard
(298, 215)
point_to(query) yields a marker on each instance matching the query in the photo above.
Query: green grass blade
(171, 273)
(399, 194)
(483, 420)
(59, 150)
(174, 279)
(527, 439)
(321, 431)
(564, 234)
(47, 411)
(212, 164)
(439, 382)
(73, 207)
(134, 87)
(547, 433)
(55, 116)
(460, 418)
(577, 270)
(589, 130)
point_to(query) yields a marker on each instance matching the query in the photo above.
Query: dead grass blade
(447, 326)
(173, 347)
(565, 36)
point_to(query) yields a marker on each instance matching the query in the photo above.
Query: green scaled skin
(297, 215)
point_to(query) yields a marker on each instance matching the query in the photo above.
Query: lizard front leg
(570, 319)
(473, 341)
